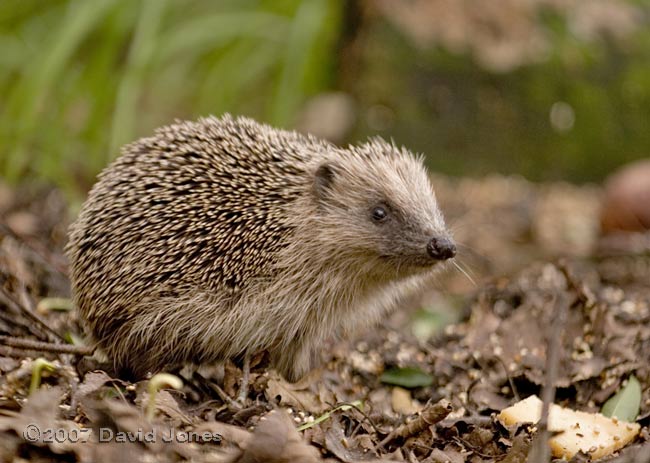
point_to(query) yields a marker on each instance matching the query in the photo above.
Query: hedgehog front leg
(243, 387)
(295, 361)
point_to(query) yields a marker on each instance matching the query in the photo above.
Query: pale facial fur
(352, 269)
(380, 175)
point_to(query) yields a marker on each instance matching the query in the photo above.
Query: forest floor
(535, 277)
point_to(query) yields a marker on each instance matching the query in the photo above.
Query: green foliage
(38, 366)
(426, 322)
(79, 78)
(625, 404)
(470, 120)
(408, 377)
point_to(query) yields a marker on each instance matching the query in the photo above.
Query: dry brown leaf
(290, 395)
(275, 440)
(167, 404)
(446, 456)
(40, 412)
(403, 403)
(92, 383)
(230, 434)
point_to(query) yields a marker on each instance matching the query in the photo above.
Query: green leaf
(426, 322)
(42, 73)
(134, 77)
(625, 404)
(202, 34)
(305, 30)
(408, 377)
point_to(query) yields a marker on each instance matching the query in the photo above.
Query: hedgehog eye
(379, 214)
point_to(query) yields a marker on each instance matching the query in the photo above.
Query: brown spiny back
(218, 238)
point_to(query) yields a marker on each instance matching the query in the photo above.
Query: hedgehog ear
(323, 180)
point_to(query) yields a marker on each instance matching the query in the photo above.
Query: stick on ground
(29, 344)
(430, 415)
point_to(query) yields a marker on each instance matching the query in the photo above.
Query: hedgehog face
(390, 214)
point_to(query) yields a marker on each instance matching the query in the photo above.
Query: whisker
(465, 266)
(461, 270)
(456, 226)
(472, 252)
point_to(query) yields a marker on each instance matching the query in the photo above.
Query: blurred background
(549, 89)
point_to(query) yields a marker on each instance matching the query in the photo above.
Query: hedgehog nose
(441, 248)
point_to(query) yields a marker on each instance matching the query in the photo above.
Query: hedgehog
(223, 238)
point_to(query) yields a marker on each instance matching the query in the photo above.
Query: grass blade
(25, 101)
(140, 54)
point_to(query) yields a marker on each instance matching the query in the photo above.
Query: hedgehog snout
(441, 248)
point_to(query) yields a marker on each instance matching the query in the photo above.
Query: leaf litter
(393, 394)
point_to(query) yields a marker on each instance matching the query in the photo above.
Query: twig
(429, 416)
(10, 320)
(37, 252)
(6, 351)
(9, 317)
(225, 398)
(578, 286)
(14, 305)
(475, 419)
(540, 452)
(513, 388)
(464, 443)
(40, 346)
(364, 414)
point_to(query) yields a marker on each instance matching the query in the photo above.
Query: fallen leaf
(166, 403)
(275, 440)
(92, 383)
(402, 402)
(291, 396)
(625, 404)
(409, 377)
(338, 444)
(40, 413)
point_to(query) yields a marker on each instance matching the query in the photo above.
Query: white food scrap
(591, 433)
